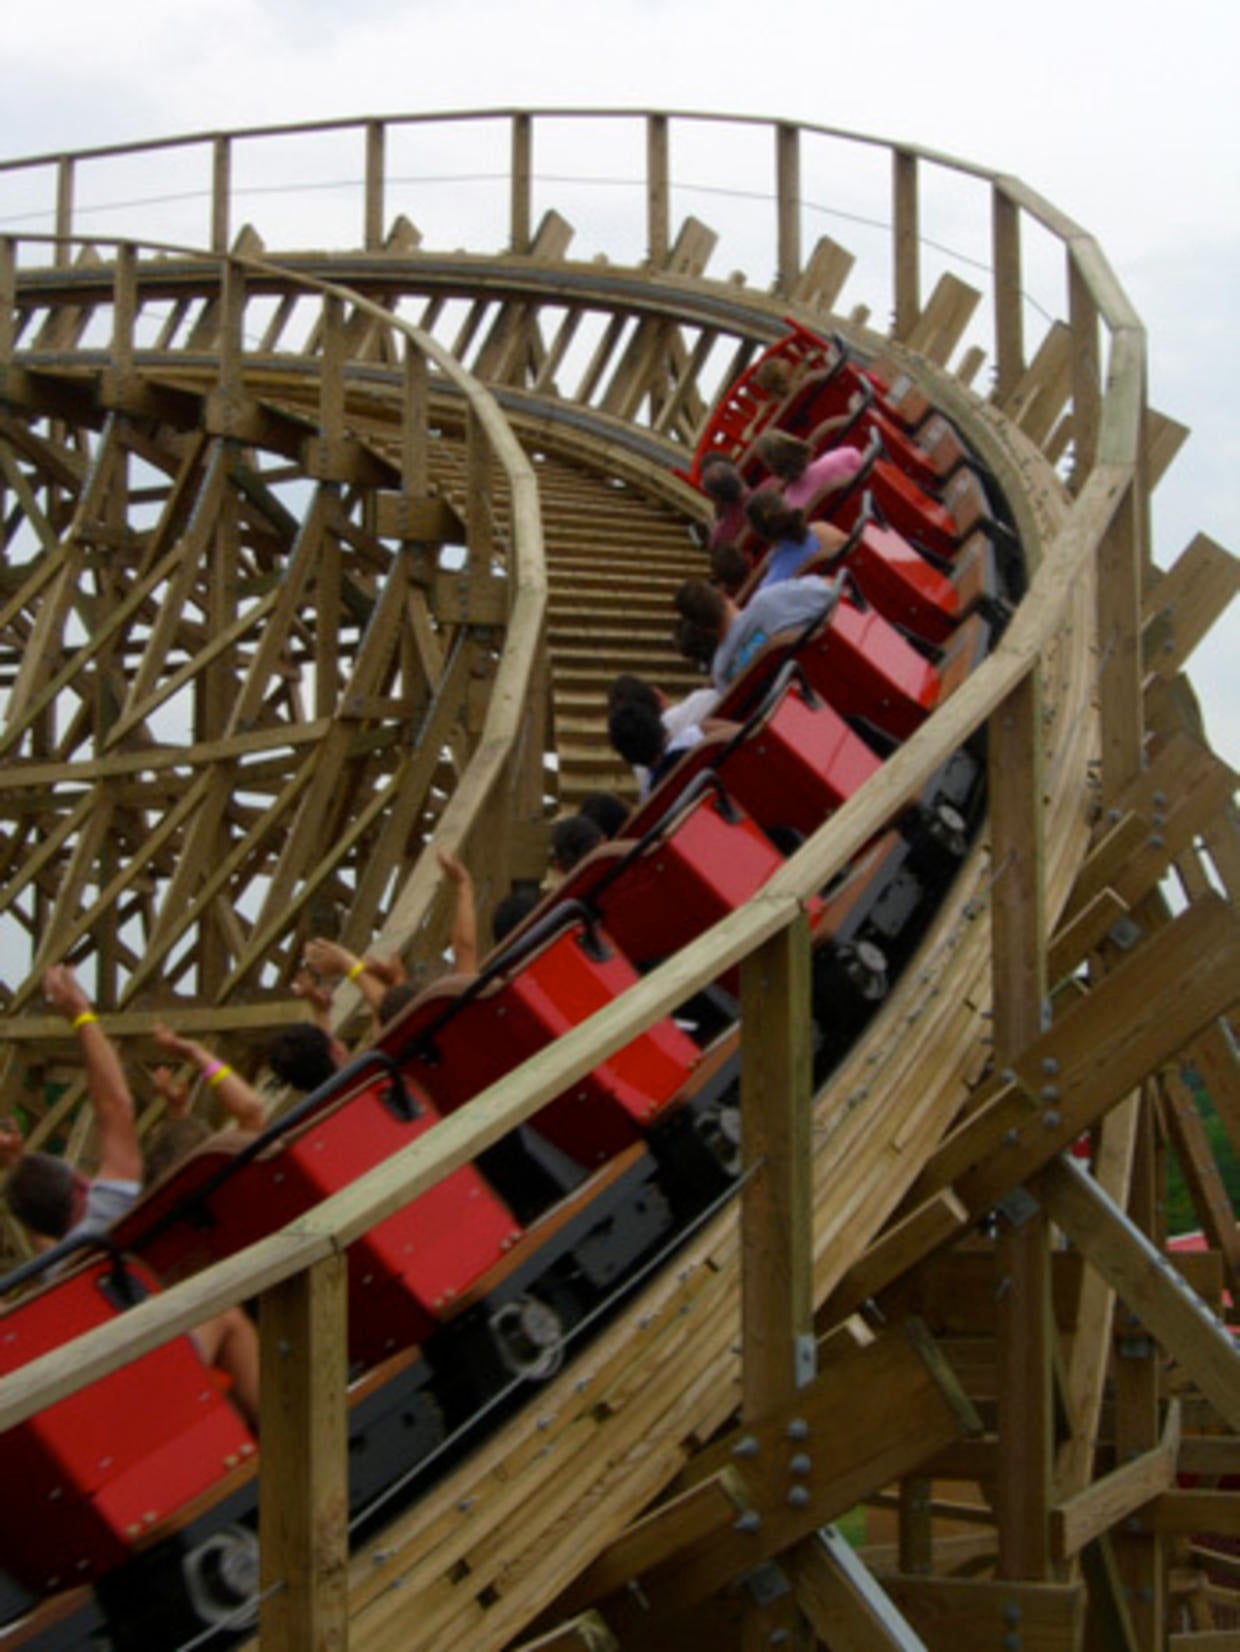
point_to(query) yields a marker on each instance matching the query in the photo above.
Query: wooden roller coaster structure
(244, 687)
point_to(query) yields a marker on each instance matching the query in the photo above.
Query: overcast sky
(1124, 115)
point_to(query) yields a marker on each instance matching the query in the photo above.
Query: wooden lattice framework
(222, 496)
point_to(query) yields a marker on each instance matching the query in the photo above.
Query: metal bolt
(798, 1429)
(748, 1447)
(1051, 1119)
(802, 1463)
(750, 1521)
(1050, 1092)
(1050, 1066)
(798, 1497)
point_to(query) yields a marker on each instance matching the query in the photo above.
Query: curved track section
(312, 562)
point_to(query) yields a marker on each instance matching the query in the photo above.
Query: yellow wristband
(84, 1020)
(219, 1075)
(357, 968)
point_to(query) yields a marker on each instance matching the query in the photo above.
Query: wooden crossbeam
(1181, 606)
(975, 1614)
(1132, 1022)
(587, 1633)
(843, 1602)
(670, 1529)
(1207, 1190)
(1146, 1281)
(1118, 1494)
(800, 1469)
(941, 324)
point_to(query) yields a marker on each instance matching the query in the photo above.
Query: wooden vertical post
(1086, 375)
(1025, 1325)
(304, 1492)
(1119, 643)
(1141, 1557)
(906, 271)
(1009, 311)
(788, 201)
(480, 515)
(376, 151)
(776, 1082)
(221, 192)
(415, 459)
(232, 312)
(64, 209)
(331, 375)
(522, 183)
(8, 295)
(124, 308)
(777, 1323)
(658, 201)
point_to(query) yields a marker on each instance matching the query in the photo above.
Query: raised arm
(239, 1099)
(120, 1156)
(464, 939)
(331, 960)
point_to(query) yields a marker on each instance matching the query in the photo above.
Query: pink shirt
(836, 466)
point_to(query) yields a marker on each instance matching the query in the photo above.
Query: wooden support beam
(894, 1252)
(776, 1226)
(1103, 1045)
(1118, 597)
(976, 1614)
(587, 1633)
(1199, 1167)
(845, 1605)
(788, 205)
(801, 1470)
(1118, 1494)
(1071, 944)
(1146, 1281)
(1109, 1618)
(303, 1485)
(682, 1522)
(1186, 1513)
(906, 251)
(1181, 606)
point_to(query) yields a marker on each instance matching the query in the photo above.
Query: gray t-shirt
(106, 1202)
(788, 606)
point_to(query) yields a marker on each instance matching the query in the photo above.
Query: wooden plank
(941, 325)
(1042, 390)
(1181, 606)
(975, 1614)
(701, 1511)
(1118, 1494)
(1118, 600)
(303, 1470)
(426, 518)
(1210, 1454)
(587, 1633)
(776, 1223)
(905, 243)
(1146, 1281)
(845, 1605)
(1124, 838)
(1189, 1513)
(894, 1252)
(1202, 1640)
(826, 270)
(1071, 944)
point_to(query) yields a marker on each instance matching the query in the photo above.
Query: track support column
(304, 1492)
